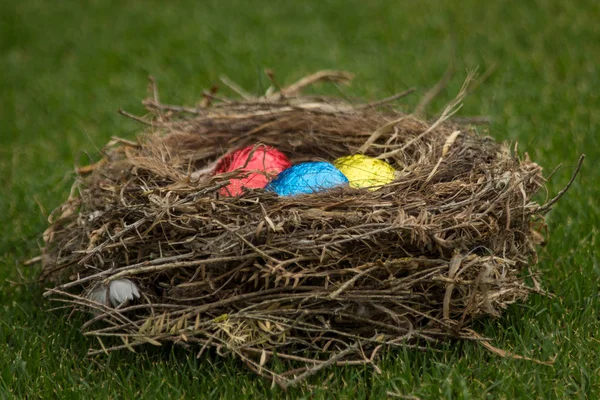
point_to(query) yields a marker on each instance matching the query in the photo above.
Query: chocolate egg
(306, 178)
(364, 171)
(261, 163)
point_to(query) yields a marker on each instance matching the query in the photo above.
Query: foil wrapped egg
(364, 171)
(259, 163)
(306, 178)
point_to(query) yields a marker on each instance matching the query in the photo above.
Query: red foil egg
(259, 165)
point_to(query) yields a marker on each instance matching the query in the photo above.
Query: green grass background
(67, 66)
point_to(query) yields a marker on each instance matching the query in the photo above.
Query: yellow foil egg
(364, 171)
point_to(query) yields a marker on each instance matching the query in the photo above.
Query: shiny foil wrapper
(260, 164)
(365, 172)
(306, 178)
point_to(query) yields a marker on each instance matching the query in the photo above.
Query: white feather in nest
(117, 292)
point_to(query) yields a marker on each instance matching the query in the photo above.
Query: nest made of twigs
(326, 278)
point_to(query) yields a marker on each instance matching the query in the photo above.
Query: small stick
(453, 268)
(449, 142)
(86, 169)
(503, 353)
(546, 207)
(169, 107)
(33, 260)
(350, 282)
(235, 87)
(135, 118)
(153, 92)
(559, 166)
(271, 76)
(207, 99)
(451, 109)
(114, 140)
(481, 79)
(299, 358)
(120, 234)
(153, 89)
(380, 131)
(435, 91)
(317, 368)
(211, 95)
(481, 120)
(326, 75)
(243, 239)
(386, 100)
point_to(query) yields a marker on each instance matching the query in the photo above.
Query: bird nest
(319, 279)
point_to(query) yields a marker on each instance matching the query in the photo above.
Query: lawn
(67, 67)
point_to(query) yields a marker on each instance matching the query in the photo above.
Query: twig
(170, 107)
(33, 260)
(313, 370)
(480, 120)
(449, 142)
(448, 112)
(136, 118)
(434, 91)
(386, 100)
(488, 72)
(350, 282)
(279, 94)
(326, 75)
(112, 239)
(115, 140)
(546, 207)
(452, 269)
(207, 97)
(153, 89)
(86, 169)
(505, 354)
(382, 130)
(236, 88)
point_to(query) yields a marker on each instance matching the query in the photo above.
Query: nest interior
(320, 279)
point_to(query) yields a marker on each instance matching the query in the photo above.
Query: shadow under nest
(326, 278)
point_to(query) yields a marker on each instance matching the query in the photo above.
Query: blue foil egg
(306, 178)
